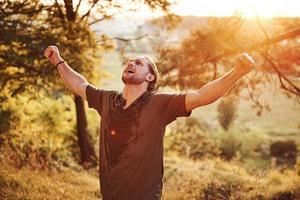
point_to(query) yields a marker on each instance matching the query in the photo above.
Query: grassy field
(184, 180)
(27, 184)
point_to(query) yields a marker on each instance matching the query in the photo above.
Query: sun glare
(248, 8)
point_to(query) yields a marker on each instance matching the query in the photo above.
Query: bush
(227, 109)
(242, 145)
(40, 133)
(229, 146)
(188, 139)
(5, 117)
(284, 196)
(215, 191)
(284, 152)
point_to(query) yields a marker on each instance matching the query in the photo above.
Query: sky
(249, 8)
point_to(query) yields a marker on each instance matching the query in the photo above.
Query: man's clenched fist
(244, 63)
(52, 53)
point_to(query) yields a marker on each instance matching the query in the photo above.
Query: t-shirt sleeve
(94, 97)
(174, 106)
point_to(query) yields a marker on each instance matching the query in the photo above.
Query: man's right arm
(75, 82)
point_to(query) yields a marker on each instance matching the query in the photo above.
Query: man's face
(136, 71)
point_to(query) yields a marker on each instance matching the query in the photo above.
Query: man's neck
(132, 92)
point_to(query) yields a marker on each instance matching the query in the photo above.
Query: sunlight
(248, 8)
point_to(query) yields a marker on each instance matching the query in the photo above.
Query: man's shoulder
(104, 90)
(166, 97)
(167, 94)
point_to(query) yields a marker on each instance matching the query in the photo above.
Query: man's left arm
(213, 90)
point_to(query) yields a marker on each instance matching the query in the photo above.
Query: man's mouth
(129, 71)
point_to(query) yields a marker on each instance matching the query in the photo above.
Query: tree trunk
(87, 151)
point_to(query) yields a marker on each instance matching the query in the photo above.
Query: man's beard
(132, 80)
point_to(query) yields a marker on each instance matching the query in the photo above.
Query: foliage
(217, 179)
(40, 133)
(285, 152)
(227, 109)
(214, 191)
(185, 66)
(26, 32)
(229, 146)
(242, 146)
(208, 52)
(189, 139)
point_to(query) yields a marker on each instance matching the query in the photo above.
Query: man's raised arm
(217, 88)
(75, 82)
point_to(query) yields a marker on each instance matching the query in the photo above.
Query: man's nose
(130, 64)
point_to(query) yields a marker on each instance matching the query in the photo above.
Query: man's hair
(153, 70)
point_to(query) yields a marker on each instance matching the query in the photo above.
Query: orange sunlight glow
(248, 8)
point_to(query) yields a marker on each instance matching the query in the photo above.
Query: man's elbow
(80, 89)
(205, 101)
(199, 98)
(193, 102)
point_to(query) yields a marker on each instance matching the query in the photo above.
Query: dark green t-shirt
(131, 152)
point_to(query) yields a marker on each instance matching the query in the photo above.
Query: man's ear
(150, 77)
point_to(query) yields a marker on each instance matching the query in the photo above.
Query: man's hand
(73, 80)
(243, 63)
(52, 53)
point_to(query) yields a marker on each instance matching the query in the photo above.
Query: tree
(209, 51)
(28, 27)
(227, 111)
(27, 32)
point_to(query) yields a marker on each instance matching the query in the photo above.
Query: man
(133, 122)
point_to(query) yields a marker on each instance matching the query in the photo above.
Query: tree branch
(295, 90)
(288, 35)
(77, 7)
(130, 39)
(61, 14)
(105, 16)
(262, 28)
(101, 19)
(89, 11)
